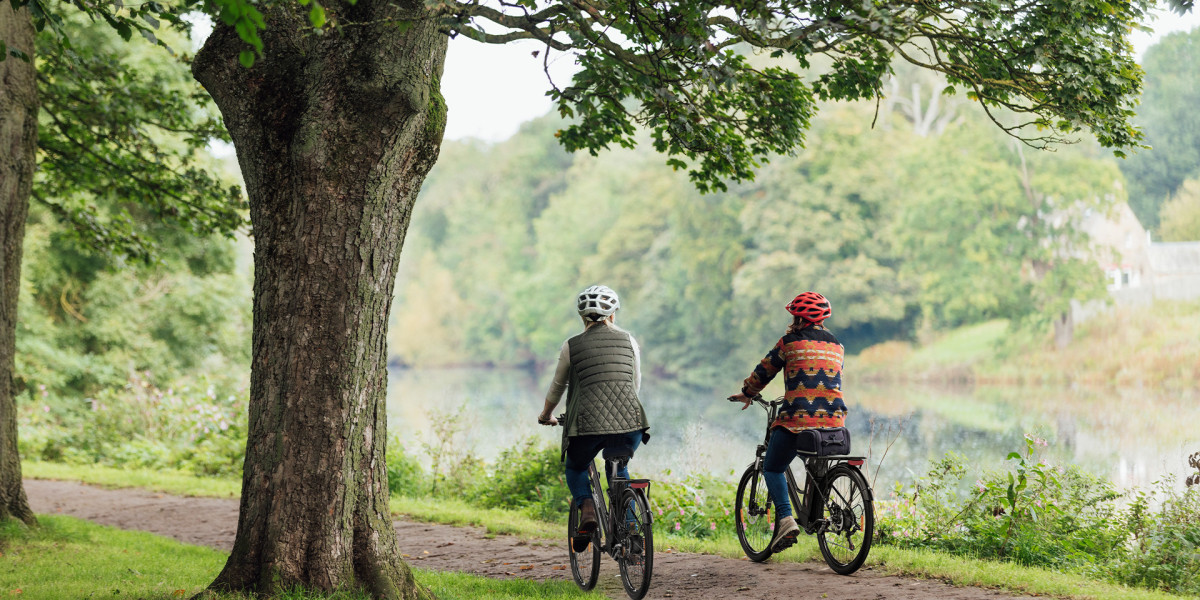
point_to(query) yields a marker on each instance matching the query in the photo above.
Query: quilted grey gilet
(602, 394)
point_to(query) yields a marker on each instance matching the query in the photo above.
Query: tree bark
(1064, 329)
(335, 133)
(18, 145)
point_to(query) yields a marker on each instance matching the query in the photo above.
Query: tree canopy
(1168, 115)
(683, 70)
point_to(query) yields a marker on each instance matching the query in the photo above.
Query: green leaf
(246, 57)
(316, 15)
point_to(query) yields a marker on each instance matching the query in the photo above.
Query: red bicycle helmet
(811, 307)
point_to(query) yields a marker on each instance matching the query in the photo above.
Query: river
(1133, 437)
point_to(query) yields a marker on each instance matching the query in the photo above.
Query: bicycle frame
(805, 512)
(616, 485)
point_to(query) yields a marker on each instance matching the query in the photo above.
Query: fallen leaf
(424, 552)
(446, 544)
(180, 593)
(526, 567)
(560, 567)
(17, 591)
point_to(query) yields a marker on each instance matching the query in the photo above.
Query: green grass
(453, 511)
(66, 557)
(958, 570)
(178, 483)
(965, 345)
(69, 558)
(455, 586)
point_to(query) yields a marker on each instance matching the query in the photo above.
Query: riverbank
(542, 558)
(540, 535)
(1157, 346)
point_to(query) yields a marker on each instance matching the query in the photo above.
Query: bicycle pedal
(784, 543)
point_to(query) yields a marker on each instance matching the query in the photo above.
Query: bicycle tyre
(635, 534)
(850, 509)
(585, 566)
(754, 515)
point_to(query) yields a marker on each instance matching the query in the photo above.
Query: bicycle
(843, 520)
(629, 541)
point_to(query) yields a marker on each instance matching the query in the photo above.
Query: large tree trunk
(335, 133)
(18, 143)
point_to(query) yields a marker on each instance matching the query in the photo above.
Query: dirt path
(213, 522)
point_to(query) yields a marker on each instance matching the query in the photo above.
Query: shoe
(587, 526)
(786, 531)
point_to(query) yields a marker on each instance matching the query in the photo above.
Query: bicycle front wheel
(636, 537)
(754, 515)
(585, 565)
(849, 511)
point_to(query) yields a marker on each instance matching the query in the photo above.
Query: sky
(490, 90)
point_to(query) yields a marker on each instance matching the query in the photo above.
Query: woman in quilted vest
(811, 358)
(600, 369)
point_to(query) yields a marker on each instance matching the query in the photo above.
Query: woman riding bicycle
(601, 370)
(812, 360)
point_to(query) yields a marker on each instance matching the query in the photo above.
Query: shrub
(192, 428)
(1037, 514)
(405, 475)
(699, 506)
(528, 475)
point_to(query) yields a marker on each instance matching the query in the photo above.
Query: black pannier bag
(824, 441)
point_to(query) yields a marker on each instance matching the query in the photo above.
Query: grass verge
(954, 569)
(66, 557)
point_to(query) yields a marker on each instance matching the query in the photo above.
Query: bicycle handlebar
(757, 399)
(562, 421)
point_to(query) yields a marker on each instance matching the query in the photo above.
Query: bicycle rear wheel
(636, 537)
(850, 511)
(585, 565)
(754, 515)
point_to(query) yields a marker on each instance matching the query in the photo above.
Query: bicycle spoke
(845, 537)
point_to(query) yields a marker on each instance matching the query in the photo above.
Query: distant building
(1137, 268)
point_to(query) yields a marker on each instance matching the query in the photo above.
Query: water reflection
(1133, 437)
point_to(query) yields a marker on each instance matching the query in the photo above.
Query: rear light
(856, 463)
(638, 486)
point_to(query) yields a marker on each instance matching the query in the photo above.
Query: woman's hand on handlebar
(744, 399)
(547, 420)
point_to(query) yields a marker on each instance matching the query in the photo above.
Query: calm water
(1133, 437)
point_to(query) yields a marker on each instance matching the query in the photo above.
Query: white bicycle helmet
(597, 300)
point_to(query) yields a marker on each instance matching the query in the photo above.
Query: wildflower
(726, 511)
(712, 525)
(224, 425)
(660, 512)
(677, 526)
(979, 486)
(680, 511)
(45, 408)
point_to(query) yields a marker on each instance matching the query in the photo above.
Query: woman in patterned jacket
(811, 359)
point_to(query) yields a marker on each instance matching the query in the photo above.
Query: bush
(697, 507)
(1041, 515)
(1164, 551)
(405, 475)
(192, 428)
(528, 476)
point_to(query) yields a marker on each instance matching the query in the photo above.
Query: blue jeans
(780, 452)
(582, 450)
